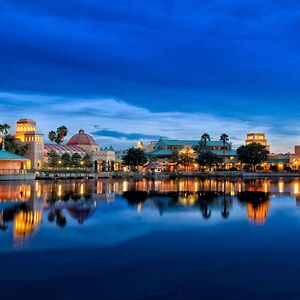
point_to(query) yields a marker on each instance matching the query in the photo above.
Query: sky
(134, 69)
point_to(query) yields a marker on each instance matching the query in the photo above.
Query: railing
(13, 171)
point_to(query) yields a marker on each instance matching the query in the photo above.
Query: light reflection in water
(24, 204)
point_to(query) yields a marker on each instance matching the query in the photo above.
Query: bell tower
(27, 134)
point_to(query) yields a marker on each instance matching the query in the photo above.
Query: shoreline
(166, 176)
(148, 175)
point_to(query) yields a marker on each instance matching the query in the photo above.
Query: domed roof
(81, 138)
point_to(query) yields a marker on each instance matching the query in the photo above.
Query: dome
(81, 138)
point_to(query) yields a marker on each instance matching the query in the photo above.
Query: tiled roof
(227, 152)
(81, 138)
(5, 155)
(160, 153)
(278, 160)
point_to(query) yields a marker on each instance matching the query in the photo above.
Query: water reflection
(26, 207)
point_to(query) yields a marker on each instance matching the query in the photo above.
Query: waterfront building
(259, 138)
(282, 162)
(165, 150)
(83, 144)
(28, 135)
(80, 143)
(11, 163)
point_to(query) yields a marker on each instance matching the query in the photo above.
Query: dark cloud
(127, 136)
(236, 58)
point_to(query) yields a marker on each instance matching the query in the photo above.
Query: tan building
(284, 161)
(82, 143)
(11, 163)
(27, 134)
(259, 138)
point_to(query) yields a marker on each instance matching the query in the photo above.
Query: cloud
(121, 124)
(156, 52)
(126, 136)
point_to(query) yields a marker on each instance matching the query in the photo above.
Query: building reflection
(23, 205)
(25, 224)
(257, 205)
(258, 213)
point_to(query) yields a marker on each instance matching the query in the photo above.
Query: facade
(83, 144)
(11, 163)
(80, 143)
(27, 134)
(282, 162)
(166, 149)
(259, 138)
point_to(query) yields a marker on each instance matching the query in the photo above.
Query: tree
(186, 157)
(52, 135)
(4, 130)
(87, 161)
(224, 138)
(134, 157)
(14, 146)
(273, 168)
(53, 160)
(76, 160)
(59, 135)
(208, 159)
(62, 132)
(203, 141)
(252, 154)
(66, 161)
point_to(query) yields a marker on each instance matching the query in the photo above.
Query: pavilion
(11, 163)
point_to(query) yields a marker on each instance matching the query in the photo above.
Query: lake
(174, 239)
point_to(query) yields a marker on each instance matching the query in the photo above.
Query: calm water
(186, 239)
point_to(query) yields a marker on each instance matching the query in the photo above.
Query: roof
(5, 155)
(30, 121)
(191, 142)
(226, 152)
(160, 153)
(81, 138)
(64, 149)
(278, 160)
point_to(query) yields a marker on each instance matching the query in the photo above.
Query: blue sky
(124, 69)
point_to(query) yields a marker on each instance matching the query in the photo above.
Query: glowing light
(296, 188)
(59, 190)
(280, 186)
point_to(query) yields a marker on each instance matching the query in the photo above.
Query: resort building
(83, 144)
(259, 138)
(11, 163)
(27, 134)
(283, 162)
(80, 143)
(166, 149)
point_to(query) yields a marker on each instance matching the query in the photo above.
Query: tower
(27, 134)
(259, 138)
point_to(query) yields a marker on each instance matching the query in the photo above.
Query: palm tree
(224, 138)
(62, 132)
(204, 139)
(52, 135)
(4, 129)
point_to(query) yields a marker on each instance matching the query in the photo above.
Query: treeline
(73, 161)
